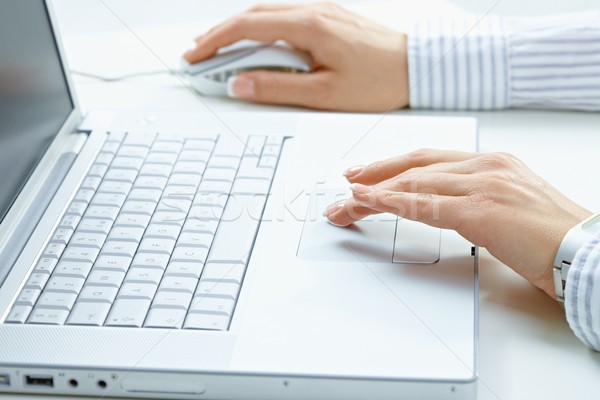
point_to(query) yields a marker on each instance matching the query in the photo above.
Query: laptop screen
(34, 96)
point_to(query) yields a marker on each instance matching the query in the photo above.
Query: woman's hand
(358, 65)
(493, 200)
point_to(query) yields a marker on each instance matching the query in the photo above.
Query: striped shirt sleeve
(582, 294)
(489, 63)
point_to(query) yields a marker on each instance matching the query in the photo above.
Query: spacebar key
(236, 232)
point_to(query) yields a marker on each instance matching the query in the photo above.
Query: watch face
(592, 226)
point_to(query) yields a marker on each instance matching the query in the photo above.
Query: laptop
(183, 254)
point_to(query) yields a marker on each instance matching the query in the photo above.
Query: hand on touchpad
(378, 238)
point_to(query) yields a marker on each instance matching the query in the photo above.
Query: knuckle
(258, 7)
(420, 155)
(498, 160)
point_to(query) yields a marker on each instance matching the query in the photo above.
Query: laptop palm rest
(378, 238)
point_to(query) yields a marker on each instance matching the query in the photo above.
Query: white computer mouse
(210, 77)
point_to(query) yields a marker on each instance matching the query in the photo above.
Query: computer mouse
(210, 77)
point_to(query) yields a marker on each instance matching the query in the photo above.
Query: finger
(267, 26)
(300, 89)
(441, 183)
(436, 210)
(347, 211)
(275, 7)
(382, 170)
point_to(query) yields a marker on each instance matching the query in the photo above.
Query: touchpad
(378, 238)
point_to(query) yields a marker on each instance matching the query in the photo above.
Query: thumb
(298, 89)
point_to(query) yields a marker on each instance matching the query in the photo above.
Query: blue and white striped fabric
(488, 63)
(582, 294)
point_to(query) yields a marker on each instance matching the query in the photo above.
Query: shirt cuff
(459, 63)
(582, 294)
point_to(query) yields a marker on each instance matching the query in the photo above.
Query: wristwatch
(578, 236)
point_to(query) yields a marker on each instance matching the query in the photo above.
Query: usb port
(33, 380)
(4, 380)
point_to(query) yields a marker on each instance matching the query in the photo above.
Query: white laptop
(184, 255)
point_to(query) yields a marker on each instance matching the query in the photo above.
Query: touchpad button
(416, 243)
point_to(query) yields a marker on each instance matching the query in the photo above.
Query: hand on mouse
(358, 65)
(493, 200)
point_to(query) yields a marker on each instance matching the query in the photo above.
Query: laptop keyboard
(158, 235)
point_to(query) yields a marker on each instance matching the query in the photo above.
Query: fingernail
(332, 208)
(353, 171)
(240, 87)
(361, 189)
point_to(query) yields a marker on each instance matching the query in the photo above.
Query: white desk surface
(526, 349)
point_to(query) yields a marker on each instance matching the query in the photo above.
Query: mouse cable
(124, 77)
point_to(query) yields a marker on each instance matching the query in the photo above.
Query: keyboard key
(219, 174)
(179, 192)
(189, 239)
(158, 246)
(204, 212)
(249, 169)
(110, 147)
(162, 146)
(189, 167)
(76, 208)
(73, 269)
(227, 290)
(230, 272)
(212, 305)
(54, 250)
(101, 212)
(127, 163)
(45, 265)
(86, 239)
(125, 249)
(200, 226)
(97, 170)
(112, 263)
(184, 180)
(211, 199)
(28, 297)
(92, 225)
(65, 284)
(275, 139)
(48, 316)
(161, 158)
(116, 137)
(148, 260)
(144, 275)
(177, 205)
(178, 284)
(194, 155)
(140, 139)
(109, 200)
(160, 231)
(159, 170)
(80, 254)
(104, 158)
(152, 195)
(206, 322)
(105, 278)
(84, 195)
(169, 218)
(18, 314)
(62, 236)
(214, 187)
(37, 281)
(230, 146)
(251, 186)
(57, 301)
(189, 254)
(271, 150)
(268, 162)
(128, 312)
(254, 146)
(132, 221)
(132, 151)
(126, 234)
(114, 187)
(87, 313)
(69, 222)
(239, 225)
(137, 291)
(91, 183)
(98, 294)
(188, 270)
(150, 182)
(139, 207)
(163, 318)
(173, 300)
(224, 162)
